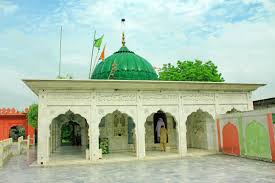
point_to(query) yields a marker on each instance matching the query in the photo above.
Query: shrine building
(115, 113)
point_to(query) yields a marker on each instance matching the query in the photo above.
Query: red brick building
(11, 118)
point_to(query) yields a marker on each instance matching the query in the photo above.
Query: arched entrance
(117, 137)
(17, 131)
(68, 136)
(159, 115)
(230, 138)
(257, 141)
(152, 133)
(201, 131)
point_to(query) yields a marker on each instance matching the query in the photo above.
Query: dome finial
(123, 27)
(123, 39)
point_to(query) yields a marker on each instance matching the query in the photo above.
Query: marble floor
(75, 155)
(207, 168)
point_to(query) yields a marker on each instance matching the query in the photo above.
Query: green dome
(128, 66)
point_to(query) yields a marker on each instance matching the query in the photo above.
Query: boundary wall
(248, 134)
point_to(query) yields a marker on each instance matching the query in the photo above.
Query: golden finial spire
(123, 39)
(123, 27)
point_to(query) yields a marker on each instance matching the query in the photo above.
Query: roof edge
(76, 84)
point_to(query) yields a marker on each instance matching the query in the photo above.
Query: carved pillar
(51, 139)
(94, 144)
(56, 136)
(58, 132)
(43, 128)
(182, 145)
(93, 130)
(140, 131)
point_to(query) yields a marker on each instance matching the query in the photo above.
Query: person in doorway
(159, 124)
(163, 138)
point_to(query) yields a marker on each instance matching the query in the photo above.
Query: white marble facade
(139, 100)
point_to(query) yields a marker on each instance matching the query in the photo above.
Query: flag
(102, 56)
(97, 42)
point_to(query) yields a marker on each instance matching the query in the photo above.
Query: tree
(33, 115)
(191, 71)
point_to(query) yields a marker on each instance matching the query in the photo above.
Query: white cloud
(7, 7)
(268, 4)
(244, 53)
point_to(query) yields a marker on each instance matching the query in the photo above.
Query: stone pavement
(210, 168)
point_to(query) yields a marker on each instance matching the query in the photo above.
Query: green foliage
(191, 71)
(104, 145)
(66, 133)
(21, 132)
(33, 115)
(13, 134)
(16, 132)
(69, 134)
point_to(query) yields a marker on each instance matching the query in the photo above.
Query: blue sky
(237, 35)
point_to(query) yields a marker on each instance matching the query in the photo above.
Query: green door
(257, 141)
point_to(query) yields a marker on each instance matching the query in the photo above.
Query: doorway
(159, 115)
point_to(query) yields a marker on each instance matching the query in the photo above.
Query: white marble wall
(201, 131)
(93, 105)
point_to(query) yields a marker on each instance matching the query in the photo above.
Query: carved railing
(5, 150)
(23, 145)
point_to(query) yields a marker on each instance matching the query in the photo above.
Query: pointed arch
(117, 133)
(77, 127)
(171, 124)
(201, 130)
(257, 141)
(230, 138)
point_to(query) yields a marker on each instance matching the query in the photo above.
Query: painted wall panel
(257, 141)
(230, 139)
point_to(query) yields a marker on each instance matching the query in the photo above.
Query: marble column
(182, 145)
(140, 132)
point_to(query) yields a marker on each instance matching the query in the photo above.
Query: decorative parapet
(5, 150)
(12, 111)
(23, 145)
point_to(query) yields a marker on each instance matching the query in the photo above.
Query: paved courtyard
(210, 168)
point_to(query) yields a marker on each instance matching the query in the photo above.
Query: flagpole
(96, 58)
(91, 63)
(95, 61)
(60, 47)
